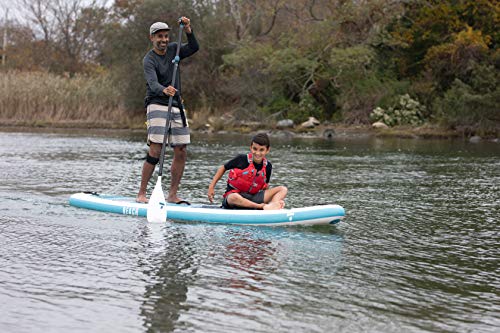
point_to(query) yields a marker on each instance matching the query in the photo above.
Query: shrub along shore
(45, 100)
(412, 66)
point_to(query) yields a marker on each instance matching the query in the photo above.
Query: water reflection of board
(322, 214)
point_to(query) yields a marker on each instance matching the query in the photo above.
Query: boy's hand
(211, 194)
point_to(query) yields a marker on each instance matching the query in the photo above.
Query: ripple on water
(418, 250)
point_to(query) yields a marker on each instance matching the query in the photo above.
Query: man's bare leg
(147, 172)
(176, 172)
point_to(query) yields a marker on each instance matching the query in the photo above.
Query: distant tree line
(337, 60)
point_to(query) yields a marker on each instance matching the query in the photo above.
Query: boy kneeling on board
(249, 175)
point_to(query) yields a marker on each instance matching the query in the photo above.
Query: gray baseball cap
(157, 26)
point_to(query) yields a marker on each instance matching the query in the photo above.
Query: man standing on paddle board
(158, 70)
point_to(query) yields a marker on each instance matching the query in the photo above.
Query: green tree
(128, 42)
(456, 59)
(430, 23)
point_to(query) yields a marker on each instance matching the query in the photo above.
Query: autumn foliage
(337, 60)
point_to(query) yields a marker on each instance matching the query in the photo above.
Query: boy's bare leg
(236, 200)
(274, 205)
(275, 197)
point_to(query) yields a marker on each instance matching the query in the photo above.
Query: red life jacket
(249, 179)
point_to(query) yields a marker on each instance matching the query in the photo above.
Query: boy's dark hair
(261, 139)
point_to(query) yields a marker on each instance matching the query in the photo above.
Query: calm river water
(418, 251)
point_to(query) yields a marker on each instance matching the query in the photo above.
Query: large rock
(310, 123)
(328, 133)
(225, 119)
(285, 123)
(379, 125)
(283, 134)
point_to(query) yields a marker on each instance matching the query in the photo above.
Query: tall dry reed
(39, 97)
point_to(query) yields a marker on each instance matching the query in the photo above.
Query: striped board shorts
(156, 121)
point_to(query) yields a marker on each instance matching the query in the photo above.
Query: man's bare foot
(282, 204)
(177, 200)
(141, 198)
(173, 199)
(273, 206)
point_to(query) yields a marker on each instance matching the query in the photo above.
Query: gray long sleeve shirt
(158, 70)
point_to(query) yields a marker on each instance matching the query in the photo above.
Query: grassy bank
(43, 99)
(39, 99)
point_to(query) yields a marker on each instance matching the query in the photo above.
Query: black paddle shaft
(168, 123)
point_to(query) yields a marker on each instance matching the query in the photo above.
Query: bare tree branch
(276, 10)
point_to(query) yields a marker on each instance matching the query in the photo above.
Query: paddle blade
(157, 207)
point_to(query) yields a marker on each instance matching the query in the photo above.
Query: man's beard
(160, 46)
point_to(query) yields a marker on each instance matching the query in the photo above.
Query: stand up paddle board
(313, 215)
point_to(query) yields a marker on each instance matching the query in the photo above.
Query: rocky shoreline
(316, 130)
(312, 128)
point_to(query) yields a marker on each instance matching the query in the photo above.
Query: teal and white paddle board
(313, 215)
